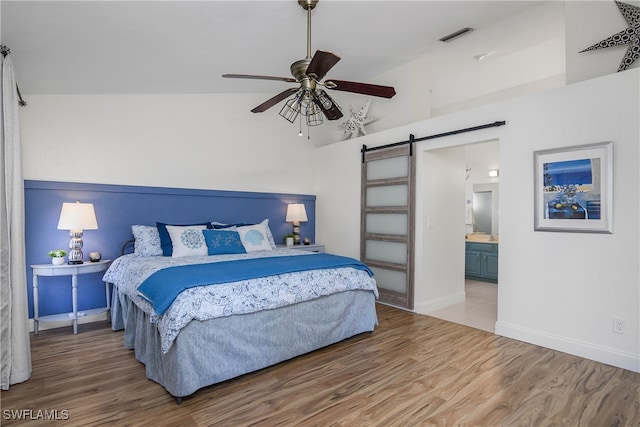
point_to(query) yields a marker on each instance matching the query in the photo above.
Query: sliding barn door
(387, 220)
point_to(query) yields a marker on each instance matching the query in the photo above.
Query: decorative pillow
(220, 242)
(272, 242)
(265, 222)
(187, 240)
(147, 240)
(165, 239)
(254, 238)
(220, 225)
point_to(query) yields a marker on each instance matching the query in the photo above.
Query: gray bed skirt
(212, 351)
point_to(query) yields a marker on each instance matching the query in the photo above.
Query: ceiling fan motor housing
(299, 72)
(307, 4)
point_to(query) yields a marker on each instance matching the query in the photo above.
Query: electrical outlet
(618, 325)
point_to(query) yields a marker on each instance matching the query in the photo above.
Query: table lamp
(77, 217)
(296, 213)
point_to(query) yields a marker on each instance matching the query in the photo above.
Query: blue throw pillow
(165, 239)
(220, 242)
(219, 225)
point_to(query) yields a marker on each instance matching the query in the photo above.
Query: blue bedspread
(162, 287)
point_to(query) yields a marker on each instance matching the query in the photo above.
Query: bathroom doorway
(480, 306)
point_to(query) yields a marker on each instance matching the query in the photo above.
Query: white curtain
(15, 349)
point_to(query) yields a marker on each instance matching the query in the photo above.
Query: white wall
(559, 290)
(189, 141)
(562, 290)
(338, 212)
(440, 219)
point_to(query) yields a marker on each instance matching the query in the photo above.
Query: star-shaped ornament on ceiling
(630, 36)
(354, 126)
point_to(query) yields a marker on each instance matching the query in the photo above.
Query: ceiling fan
(308, 98)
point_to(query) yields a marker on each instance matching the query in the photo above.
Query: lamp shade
(296, 213)
(77, 216)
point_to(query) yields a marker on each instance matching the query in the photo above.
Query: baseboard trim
(439, 303)
(54, 324)
(584, 349)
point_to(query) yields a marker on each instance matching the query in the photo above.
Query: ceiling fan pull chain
(300, 134)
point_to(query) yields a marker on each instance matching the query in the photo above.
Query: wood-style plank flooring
(412, 371)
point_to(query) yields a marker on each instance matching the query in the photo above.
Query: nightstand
(308, 248)
(72, 270)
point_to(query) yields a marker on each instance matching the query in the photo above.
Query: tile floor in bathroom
(479, 310)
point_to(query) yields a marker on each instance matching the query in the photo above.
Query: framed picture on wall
(574, 189)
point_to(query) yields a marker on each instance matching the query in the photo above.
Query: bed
(195, 320)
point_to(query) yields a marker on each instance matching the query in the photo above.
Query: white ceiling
(98, 47)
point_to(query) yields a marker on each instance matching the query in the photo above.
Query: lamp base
(75, 247)
(296, 233)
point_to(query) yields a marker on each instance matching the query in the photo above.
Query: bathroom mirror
(485, 208)
(482, 212)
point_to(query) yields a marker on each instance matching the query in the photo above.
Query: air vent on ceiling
(455, 35)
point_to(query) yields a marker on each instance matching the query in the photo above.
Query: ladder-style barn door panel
(387, 220)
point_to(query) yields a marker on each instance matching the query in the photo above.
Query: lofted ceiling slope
(147, 47)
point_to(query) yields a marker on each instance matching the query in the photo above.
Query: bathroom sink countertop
(481, 238)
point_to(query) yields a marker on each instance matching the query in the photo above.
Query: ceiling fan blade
(251, 76)
(321, 63)
(273, 101)
(363, 88)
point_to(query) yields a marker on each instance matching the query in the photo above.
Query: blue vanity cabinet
(472, 262)
(481, 261)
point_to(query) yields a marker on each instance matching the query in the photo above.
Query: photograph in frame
(573, 189)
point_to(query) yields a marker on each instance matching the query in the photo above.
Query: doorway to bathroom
(481, 200)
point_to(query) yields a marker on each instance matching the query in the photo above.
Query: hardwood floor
(412, 371)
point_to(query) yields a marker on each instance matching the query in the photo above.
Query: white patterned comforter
(242, 297)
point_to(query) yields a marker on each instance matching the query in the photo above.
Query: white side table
(72, 270)
(310, 248)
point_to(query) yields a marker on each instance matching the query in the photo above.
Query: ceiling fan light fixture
(308, 101)
(325, 100)
(291, 109)
(307, 104)
(311, 110)
(314, 118)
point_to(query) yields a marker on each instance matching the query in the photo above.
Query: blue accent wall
(118, 207)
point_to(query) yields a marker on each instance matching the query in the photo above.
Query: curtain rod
(413, 139)
(5, 51)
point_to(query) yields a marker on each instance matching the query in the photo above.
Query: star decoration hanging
(354, 126)
(630, 36)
